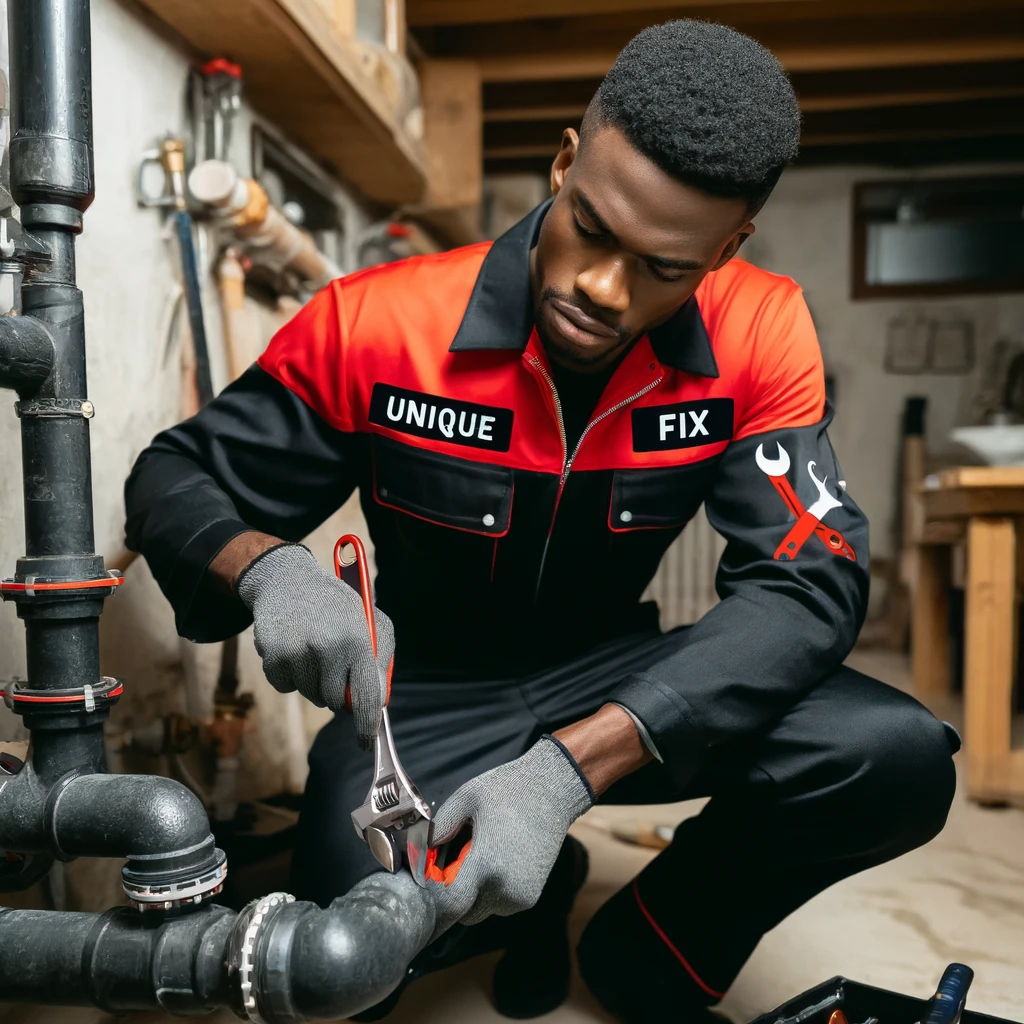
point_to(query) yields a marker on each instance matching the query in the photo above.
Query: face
(623, 246)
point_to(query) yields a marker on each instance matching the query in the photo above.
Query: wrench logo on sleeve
(809, 519)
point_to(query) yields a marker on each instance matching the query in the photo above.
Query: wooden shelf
(304, 77)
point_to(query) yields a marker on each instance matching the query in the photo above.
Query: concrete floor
(896, 926)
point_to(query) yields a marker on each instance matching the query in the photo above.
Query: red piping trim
(633, 529)
(116, 692)
(668, 942)
(9, 586)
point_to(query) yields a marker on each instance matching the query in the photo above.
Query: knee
(901, 764)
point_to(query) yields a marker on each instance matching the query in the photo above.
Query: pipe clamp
(55, 408)
(261, 910)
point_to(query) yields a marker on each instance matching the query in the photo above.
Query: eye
(586, 232)
(662, 276)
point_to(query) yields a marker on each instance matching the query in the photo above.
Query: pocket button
(488, 519)
(626, 516)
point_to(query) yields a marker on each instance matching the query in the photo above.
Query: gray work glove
(310, 630)
(520, 813)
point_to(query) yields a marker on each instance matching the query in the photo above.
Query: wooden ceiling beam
(961, 119)
(572, 113)
(529, 67)
(440, 13)
(577, 37)
(896, 153)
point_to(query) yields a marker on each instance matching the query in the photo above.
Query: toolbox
(860, 1003)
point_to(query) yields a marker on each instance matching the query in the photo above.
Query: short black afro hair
(709, 105)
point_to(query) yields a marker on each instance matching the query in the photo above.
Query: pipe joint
(158, 824)
(27, 354)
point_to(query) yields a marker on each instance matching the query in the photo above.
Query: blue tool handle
(946, 1006)
(194, 304)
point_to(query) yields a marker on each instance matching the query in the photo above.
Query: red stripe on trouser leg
(668, 942)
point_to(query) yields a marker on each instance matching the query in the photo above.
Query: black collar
(500, 310)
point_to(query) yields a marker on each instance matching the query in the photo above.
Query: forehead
(645, 207)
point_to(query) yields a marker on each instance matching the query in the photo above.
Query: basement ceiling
(880, 81)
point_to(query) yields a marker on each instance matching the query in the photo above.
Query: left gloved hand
(520, 813)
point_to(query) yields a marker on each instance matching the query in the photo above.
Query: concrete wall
(128, 273)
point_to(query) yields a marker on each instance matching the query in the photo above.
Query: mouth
(578, 326)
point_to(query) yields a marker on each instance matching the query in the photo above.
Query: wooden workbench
(982, 507)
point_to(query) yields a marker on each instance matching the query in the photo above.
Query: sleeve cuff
(645, 736)
(668, 721)
(203, 612)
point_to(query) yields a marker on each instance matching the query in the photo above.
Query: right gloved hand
(310, 630)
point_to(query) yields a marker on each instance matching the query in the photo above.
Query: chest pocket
(474, 497)
(662, 498)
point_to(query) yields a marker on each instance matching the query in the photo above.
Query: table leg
(929, 628)
(989, 663)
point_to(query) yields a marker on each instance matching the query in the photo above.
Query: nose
(606, 284)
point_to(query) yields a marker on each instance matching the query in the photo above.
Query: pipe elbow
(27, 353)
(327, 964)
(128, 815)
(156, 823)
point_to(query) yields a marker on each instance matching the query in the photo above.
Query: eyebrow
(658, 261)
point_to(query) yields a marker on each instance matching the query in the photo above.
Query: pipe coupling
(241, 949)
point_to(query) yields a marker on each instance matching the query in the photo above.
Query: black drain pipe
(278, 961)
(61, 804)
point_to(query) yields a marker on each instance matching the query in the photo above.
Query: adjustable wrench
(393, 820)
(808, 520)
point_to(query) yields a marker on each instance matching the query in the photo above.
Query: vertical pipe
(51, 162)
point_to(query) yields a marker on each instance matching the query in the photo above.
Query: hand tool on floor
(947, 1005)
(808, 520)
(838, 1017)
(393, 820)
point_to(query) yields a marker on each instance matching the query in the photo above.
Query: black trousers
(854, 774)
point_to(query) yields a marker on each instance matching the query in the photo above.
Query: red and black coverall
(512, 565)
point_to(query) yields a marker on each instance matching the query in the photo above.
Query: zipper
(567, 458)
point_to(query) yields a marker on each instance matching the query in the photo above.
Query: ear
(563, 161)
(733, 245)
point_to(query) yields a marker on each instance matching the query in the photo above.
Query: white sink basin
(997, 445)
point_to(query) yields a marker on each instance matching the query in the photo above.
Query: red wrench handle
(797, 537)
(357, 575)
(835, 542)
(788, 495)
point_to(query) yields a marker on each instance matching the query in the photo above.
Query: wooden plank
(989, 663)
(812, 104)
(527, 67)
(891, 29)
(874, 101)
(975, 501)
(452, 95)
(302, 75)
(981, 476)
(464, 12)
(929, 627)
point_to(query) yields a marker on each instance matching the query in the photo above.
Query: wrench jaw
(394, 818)
(772, 467)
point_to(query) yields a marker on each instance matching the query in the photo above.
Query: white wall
(128, 273)
(805, 231)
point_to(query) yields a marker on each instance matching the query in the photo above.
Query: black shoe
(532, 978)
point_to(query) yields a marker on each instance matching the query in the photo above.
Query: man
(530, 424)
